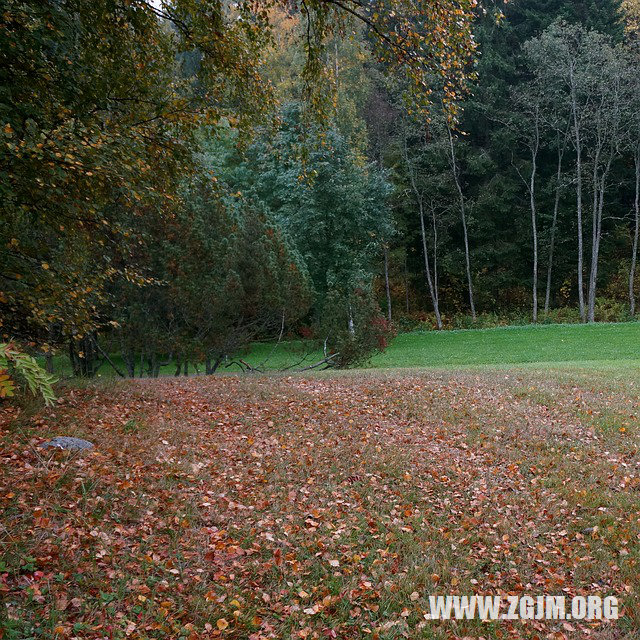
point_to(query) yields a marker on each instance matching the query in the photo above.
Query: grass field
(515, 345)
(591, 345)
(321, 506)
(332, 504)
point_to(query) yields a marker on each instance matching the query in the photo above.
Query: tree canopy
(181, 178)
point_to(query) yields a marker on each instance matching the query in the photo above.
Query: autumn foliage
(298, 507)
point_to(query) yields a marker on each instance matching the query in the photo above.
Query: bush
(354, 327)
(607, 310)
(610, 310)
(491, 320)
(562, 315)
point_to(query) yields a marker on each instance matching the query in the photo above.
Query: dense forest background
(174, 189)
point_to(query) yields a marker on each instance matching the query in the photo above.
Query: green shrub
(562, 315)
(354, 327)
(611, 310)
(606, 310)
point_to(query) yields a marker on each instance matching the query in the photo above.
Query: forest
(181, 179)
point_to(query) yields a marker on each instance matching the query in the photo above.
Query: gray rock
(66, 442)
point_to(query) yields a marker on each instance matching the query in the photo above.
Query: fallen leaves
(222, 624)
(315, 507)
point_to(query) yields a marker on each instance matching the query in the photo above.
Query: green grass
(296, 354)
(265, 355)
(594, 345)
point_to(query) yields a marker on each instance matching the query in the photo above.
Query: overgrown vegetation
(120, 227)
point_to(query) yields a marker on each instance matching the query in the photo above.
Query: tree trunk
(456, 177)
(578, 147)
(554, 225)
(534, 230)
(406, 284)
(435, 253)
(82, 354)
(600, 186)
(48, 362)
(72, 358)
(580, 250)
(591, 293)
(151, 364)
(427, 266)
(129, 362)
(634, 255)
(593, 271)
(105, 355)
(386, 281)
(212, 365)
(48, 355)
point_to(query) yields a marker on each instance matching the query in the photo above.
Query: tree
(223, 275)
(455, 171)
(418, 190)
(495, 193)
(561, 142)
(334, 209)
(631, 14)
(127, 85)
(68, 158)
(527, 124)
(634, 140)
(608, 106)
(584, 78)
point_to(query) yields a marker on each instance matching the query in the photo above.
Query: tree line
(528, 208)
(125, 128)
(179, 181)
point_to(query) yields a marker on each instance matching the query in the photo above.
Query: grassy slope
(589, 344)
(592, 345)
(514, 345)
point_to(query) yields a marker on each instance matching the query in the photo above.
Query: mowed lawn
(321, 506)
(590, 345)
(515, 345)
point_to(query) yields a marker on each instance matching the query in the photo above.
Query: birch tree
(562, 140)
(527, 124)
(455, 171)
(634, 132)
(573, 65)
(418, 192)
(604, 79)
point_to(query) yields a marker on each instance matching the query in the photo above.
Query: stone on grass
(69, 443)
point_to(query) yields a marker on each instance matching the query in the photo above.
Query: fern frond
(14, 362)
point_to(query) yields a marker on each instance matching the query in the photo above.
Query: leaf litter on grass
(320, 506)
